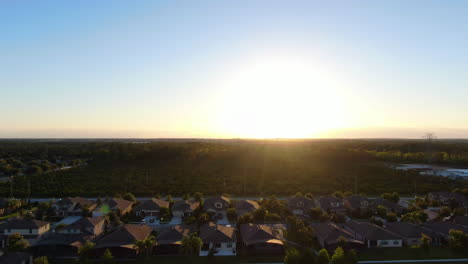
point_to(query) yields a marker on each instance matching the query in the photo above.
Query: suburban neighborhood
(125, 228)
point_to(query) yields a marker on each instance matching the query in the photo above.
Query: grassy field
(410, 253)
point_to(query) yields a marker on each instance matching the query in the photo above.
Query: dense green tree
(41, 260)
(16, 243)
(107, 257)
(338, 256)
(292, 256)
(323, 257)
(191, 245)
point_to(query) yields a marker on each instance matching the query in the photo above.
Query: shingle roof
(211, 232)
(330, 232)
(371, 231)
(185, 205)
(174, 234)
(24, 224)
(405, 229)
(254, 233)
(246, 205)
(124, 236)
(152, 205)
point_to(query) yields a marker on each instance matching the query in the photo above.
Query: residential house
(261, 239)
(66, 241)
(170, 239)
(184, 208)
(16, 258)
(329, 235)
(410, 233)
(300, 205)
(73, 206)
(116, 205)
(121, 242)
(218, 240)
(439, 231)
(31, 230)
(450, 198)
(331, 204)
(373, 235)
(391, 206)
(245, 206)
(217, 205)
(150, 207)
(357, 204)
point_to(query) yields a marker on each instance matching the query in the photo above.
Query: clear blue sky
(184, 68)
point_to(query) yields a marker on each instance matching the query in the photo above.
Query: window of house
(217, 245)
(30, 231)
(218, 205)
(229, 245)
(395, 242)
(384, 242)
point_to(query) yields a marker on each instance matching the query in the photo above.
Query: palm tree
(145, 246)
(191, 245)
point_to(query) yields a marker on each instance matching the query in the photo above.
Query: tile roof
(211, 232)
(185, 205)
(371, 231)
(124, 236)
(246, 205)
(174, 234)
(24, 224)
(152, 205)
(255, 233)
(330, 232)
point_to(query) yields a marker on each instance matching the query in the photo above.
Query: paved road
(180, 198)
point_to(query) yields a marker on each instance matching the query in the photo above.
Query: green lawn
(410, 253)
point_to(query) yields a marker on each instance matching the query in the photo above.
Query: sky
(230, 69)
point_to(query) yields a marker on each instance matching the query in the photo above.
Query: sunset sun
(281, 98)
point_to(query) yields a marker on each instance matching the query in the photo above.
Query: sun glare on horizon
(282, 98)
